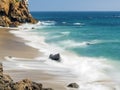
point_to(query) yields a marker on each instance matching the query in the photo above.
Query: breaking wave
(90, 73)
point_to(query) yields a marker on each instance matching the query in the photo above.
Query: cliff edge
(14, 13)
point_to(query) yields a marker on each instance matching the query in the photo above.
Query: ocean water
(89, 44)
(74, 30)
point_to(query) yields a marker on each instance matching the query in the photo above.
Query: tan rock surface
(14, 13)
(6, 83)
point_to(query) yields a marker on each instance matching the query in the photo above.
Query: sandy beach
(26, 66)
(14, 46)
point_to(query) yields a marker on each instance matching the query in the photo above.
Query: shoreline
(10, 44)
(55, 77)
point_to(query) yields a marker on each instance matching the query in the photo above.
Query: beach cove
(75, 39)
(15, 47)
(58, 50)
(58, 75)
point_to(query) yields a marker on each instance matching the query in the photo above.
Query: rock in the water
(14, 13)
(33, 27)
(87, 43)
(73, 85)
(55, 57)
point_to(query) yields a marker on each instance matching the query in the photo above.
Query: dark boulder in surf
(88, 44)
(73, 85)
(55, 57)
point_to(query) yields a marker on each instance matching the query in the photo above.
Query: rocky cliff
(14, 13)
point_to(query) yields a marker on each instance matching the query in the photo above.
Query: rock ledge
(6, 83)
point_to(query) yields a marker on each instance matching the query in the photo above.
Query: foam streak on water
(90, 73)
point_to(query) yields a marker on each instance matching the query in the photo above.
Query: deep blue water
(91, 34)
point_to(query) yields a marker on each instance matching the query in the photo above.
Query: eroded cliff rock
(14, 13)
(6, 83)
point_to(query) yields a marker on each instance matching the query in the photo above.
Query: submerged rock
(55, 57)
(88, 44)
(14, 13)
(6, 83)
(73, 85)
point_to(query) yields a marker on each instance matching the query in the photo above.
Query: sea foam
(83, 44)
(89, 73)
(78, 24)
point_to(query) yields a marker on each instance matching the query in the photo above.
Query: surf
(90, 73)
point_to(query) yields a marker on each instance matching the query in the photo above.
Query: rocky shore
(7, 83)
(14, 13)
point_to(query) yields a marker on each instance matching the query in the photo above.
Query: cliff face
(14, 13)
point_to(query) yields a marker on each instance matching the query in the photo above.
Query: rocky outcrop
(5, 80)
(6, 83)
(73, 85)
(14, 13)
(55, 57)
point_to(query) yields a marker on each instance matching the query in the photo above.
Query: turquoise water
(88, 43)
(91, 34)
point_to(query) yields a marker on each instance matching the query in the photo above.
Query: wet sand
(48, 80)
(13, 46)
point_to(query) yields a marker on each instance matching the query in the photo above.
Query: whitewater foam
(64, 22)
(78, 24)
(83, 44)
(48, 23)
(90, 72)
(72, 43)
(65, 33)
